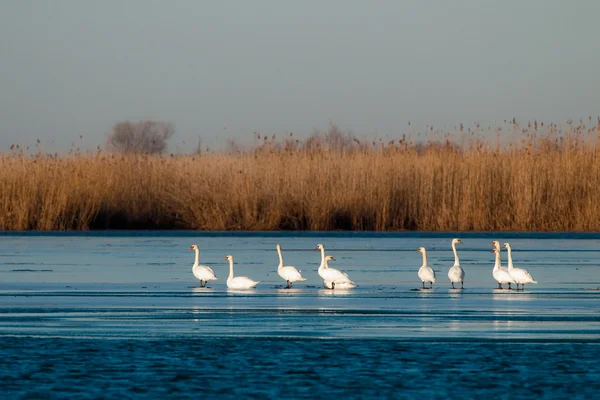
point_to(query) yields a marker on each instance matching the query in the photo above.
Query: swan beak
(191, 248)
(492, 251)
(418, 250)
(492, 244)
(317, 248)
(332, 259)
(225, 259)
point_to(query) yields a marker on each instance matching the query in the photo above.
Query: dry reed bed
(542, 185)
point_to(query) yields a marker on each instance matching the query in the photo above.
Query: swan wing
(505, 277)
(427, 274)
(340, 285)
(528, 277)
(456, 274)
(204, 273)
(502, 276)
(210, 269)
(241, 282)
(335, 275)
(521, 275)
(291, 274)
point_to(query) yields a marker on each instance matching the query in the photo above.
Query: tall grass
(539, 179)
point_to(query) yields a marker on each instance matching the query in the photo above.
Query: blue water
(119, 315)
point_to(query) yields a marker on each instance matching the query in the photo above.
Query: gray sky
(229, 68)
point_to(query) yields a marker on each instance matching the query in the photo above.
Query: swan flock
(456, 273)
(335, 279)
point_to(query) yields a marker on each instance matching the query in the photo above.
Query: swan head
(229, 258)
(278, 246)
(421, 249)
(194, 247)
(494, 250)
(456, 241)
(329, 258)
(319, 247)
(506, 246)
(495, 243)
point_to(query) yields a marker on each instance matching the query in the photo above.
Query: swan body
(456, 274)
(288, 273)
(426, 273)
(500, 274)
(333, 278)
(202, 272)
(238, 282)
(496, 245)
(340, 285)
(520, 275)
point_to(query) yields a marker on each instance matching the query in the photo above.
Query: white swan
(426, 274)
(520, 275)
(500, 274)
(333, 278)
(496, 244)
(339, 284)
(202, 272)
(456, 273)
(238, 282)
(288, 273)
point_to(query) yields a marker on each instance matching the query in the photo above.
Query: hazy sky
(229, 68)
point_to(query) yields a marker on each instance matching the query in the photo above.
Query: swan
(519, 275)
(425, 272)
(239, 282)
(344, 284)
(333, 278)
(496, 244)
(288, 273)
(456, 273)
(202, 272)
(500, 274)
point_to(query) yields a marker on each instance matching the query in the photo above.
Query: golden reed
(533, 182)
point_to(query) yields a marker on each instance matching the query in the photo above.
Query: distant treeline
(539, 178)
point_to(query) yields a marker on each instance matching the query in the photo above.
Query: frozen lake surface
(119, 314)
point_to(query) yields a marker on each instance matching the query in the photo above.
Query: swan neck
(197, 259)
(231, 269)
(510, 262)
(497, 264)
(424, 258)
(456, 261)
(323, 260)
(280, 258)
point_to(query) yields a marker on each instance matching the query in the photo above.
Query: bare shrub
(140, 137)
(332, 140)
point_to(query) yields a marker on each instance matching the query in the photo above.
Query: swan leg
(499, 285)
(332, 285)
(431, 285)
(453, 285)
(289, 285)
(201, 285)
(462, 285)
(423, 284)
(509, 286)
